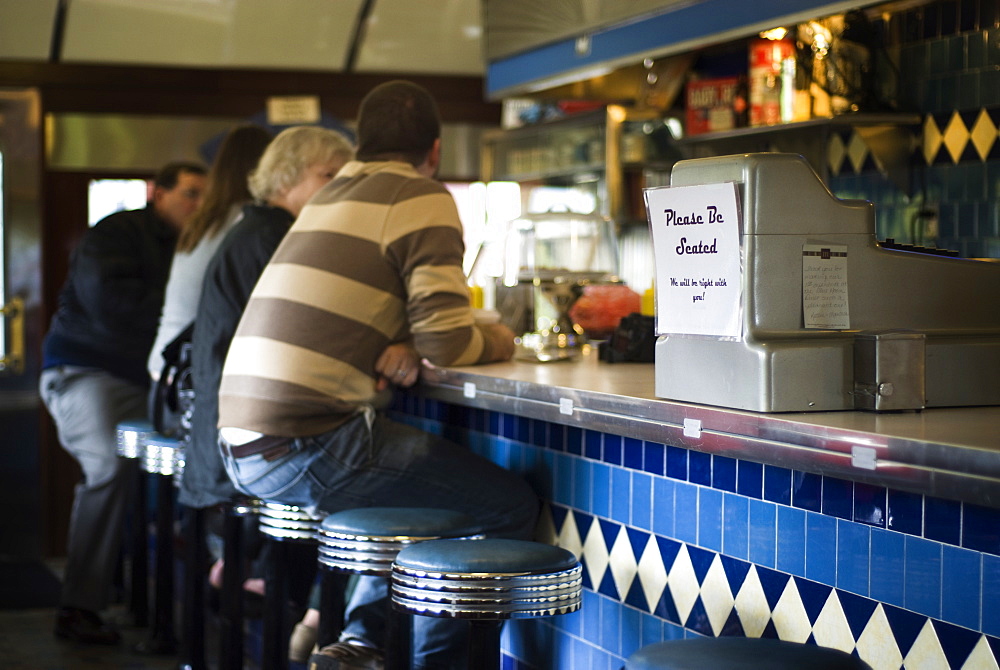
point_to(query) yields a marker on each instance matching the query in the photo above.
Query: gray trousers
(87, 404)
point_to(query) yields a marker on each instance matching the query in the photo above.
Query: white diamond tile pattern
(831, 628)
(716, 595)
(956, 136)
(623, 566)
(790, 617)
(932, 139)
(652, 573)
(926, 652)
(569, 536)
(981, 658)
(984, 134)
(857, 151)
(877, 645)
(596, 554)
(751, 605)
(835, 154)
(683, 583)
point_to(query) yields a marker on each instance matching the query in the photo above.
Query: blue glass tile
(494, 423)
(654, 458)
(792, 540)
(981, 529)
(942, 520)
(869, 504)
(857, 610)
(686, 512)
(991, 595)
(652, 630)
(663, 507)
(631, 636)
(591, 609)
(582, 483)
(642, 500)
(574, 440)
(905, 626)
(922, 590)
(508, 425)
(592, 444)
(838, 498)
(563, 473)
(613, 449)
(677, 463)
(814, 596)
(610, 629)
(735, 525)
(750, 479)
(621, 495)
(522, 429)
(906, 512)
(539, 432)
(600, 500)
(956, 643)
(778, 484)
(961, 586)
(710, 519)
(632, 456)
(853, 556)
(807, 491)
(557, 436)
(821, 544)
(700, 468)
(763, 535)
(724, 473)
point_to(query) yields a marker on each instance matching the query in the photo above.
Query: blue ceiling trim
(654, 35)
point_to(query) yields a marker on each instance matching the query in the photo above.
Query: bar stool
(163, 459)
(238, 513)
(365, 541)
(131, 439)
(740, 653)
(281, 525)
(486, 582)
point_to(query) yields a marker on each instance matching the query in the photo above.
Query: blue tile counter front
(679, 542)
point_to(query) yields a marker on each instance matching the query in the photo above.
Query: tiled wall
(948, 58)
(678, 543)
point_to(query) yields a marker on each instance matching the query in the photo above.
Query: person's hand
(398, 364)
(499, 342)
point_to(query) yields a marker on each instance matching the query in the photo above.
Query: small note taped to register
(824, 287)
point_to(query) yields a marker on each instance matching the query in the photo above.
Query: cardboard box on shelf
(715, 104)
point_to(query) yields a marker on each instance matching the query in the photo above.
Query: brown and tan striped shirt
(374, 258)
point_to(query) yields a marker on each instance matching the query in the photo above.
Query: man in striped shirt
(366, 283)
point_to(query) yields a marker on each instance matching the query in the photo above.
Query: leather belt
(270, 447)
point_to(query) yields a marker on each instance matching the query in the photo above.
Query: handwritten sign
(696, 248)
(824, 287)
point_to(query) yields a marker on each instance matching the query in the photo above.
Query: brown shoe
(84, 626)
(346, 656)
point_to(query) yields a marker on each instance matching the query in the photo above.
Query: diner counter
(942, 452)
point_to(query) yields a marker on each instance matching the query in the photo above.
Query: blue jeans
(389, 464)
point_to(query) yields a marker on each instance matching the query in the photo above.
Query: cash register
(916, 330)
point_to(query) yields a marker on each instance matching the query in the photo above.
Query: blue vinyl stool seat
(486, 582)
(365, 541)
(740, 653)
(131, 436)
(163, 458)
(281, 525)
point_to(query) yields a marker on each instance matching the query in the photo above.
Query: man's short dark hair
(170, 173)
(397, 120)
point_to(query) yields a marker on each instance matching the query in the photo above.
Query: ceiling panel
(26, 29)
(439, 37)
(296, 34)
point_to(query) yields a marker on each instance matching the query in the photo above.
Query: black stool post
(231, 611)
(484, 645)
(139, 596)
(193, 610)
(332, 590)
(131, 437)
(282, 526)
(160, 461)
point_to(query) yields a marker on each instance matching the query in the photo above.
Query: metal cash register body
(924, 330)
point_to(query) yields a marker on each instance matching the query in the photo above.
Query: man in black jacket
(94, 376)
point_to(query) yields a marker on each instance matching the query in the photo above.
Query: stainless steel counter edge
(948, 453)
